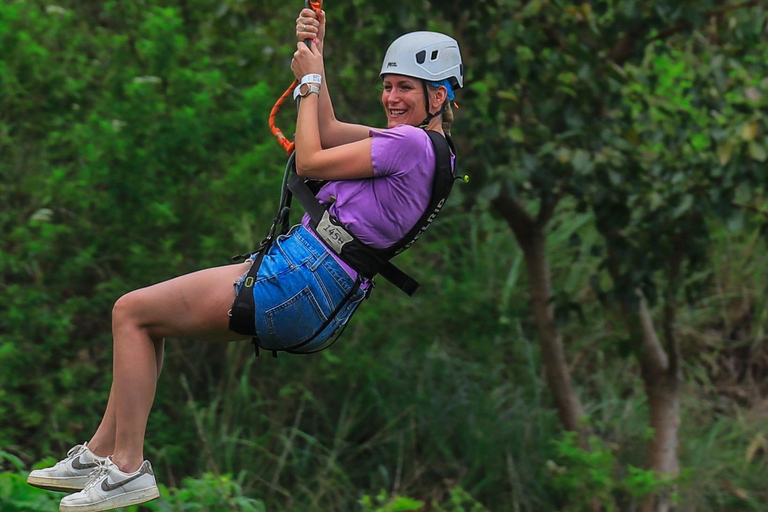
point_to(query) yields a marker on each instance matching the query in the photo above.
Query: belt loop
(318, 261)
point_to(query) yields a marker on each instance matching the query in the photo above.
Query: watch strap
(310, 88)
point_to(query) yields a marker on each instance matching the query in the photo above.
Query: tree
(552, 96)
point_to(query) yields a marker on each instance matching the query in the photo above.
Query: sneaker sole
(123, 500)
(57, 484)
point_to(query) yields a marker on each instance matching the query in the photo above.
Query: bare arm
(311, 25)
(344, 161)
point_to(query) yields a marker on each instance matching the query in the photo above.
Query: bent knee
(129, 310)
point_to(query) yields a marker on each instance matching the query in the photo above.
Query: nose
(393, 96)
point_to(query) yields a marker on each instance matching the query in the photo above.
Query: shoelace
(72, 453)
(95, 475)
(75, 450)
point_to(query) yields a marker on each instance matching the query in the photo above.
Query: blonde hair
(447, 117)
(447, 114)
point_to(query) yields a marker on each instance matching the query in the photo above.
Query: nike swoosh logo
(76, 464)
(106, 486)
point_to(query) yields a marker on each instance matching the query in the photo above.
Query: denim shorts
(298, 287)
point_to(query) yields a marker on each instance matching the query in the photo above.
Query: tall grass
(451, 397)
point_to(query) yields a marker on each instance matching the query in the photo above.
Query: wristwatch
(305, 89)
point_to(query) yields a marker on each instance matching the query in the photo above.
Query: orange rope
(288, 145)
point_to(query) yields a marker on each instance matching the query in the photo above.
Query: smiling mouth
(396, 113)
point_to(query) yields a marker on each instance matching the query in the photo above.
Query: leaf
(736, 221)
(684, 206)
(42, 215)
(582, 162)
(725, 151)
(757, 151)
(749, 130)
(507, 95)
(516, 134)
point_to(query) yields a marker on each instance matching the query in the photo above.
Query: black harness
(366, 260)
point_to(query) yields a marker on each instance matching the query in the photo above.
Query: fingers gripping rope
(315, 5)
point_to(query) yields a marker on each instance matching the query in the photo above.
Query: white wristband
(313, 78)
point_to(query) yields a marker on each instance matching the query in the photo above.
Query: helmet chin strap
(430, 116)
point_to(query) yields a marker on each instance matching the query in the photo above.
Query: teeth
(397, 112)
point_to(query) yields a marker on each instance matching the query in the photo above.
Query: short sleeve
(397, 149)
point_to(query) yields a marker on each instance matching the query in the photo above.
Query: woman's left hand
(307, 60)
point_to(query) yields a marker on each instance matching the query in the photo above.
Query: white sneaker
(69, 474)
(110, 488)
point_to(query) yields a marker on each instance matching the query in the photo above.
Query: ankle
(127, 464)
(100, 449)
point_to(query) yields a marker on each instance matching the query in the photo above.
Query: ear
(437, 96)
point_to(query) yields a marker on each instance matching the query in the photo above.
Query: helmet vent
(421, 56)
(434, 55)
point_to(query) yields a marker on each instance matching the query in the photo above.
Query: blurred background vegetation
(617, 151)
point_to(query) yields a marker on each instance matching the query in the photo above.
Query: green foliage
(133, 147)
(589, 477)
(207, 494)
(134, 124)
(384, 503)
(458, 501)
(16, 495)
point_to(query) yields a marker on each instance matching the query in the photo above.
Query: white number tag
(335, 236)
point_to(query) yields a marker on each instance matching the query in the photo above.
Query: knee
(126, 310)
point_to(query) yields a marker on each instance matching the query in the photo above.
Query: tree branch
(547, 210)
(670, 301)
(624, 47)
(519, 220)
(653, 352)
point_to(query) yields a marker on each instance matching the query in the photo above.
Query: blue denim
(298, 287)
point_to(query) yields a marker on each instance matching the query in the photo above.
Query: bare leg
(103, 441)
(194, 306)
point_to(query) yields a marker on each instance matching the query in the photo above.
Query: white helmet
(429, 56)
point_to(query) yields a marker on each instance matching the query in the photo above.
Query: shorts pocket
(293, 321)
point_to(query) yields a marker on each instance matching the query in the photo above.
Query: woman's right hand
(311, 25)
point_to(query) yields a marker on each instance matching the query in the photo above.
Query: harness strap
(366, 260)
(241, 316)
(442, 184)
(399, 278)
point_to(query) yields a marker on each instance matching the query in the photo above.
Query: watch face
(303, 89)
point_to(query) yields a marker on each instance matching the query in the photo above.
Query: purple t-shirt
(382, 209)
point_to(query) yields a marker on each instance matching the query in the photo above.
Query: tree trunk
(661, 376)
(661, 456)
(529, 233)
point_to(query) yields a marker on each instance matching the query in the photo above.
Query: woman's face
(403, 100)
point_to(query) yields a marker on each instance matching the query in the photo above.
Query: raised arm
(311, 25)
(313, 159)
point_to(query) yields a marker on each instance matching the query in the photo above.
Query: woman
(380, 186)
